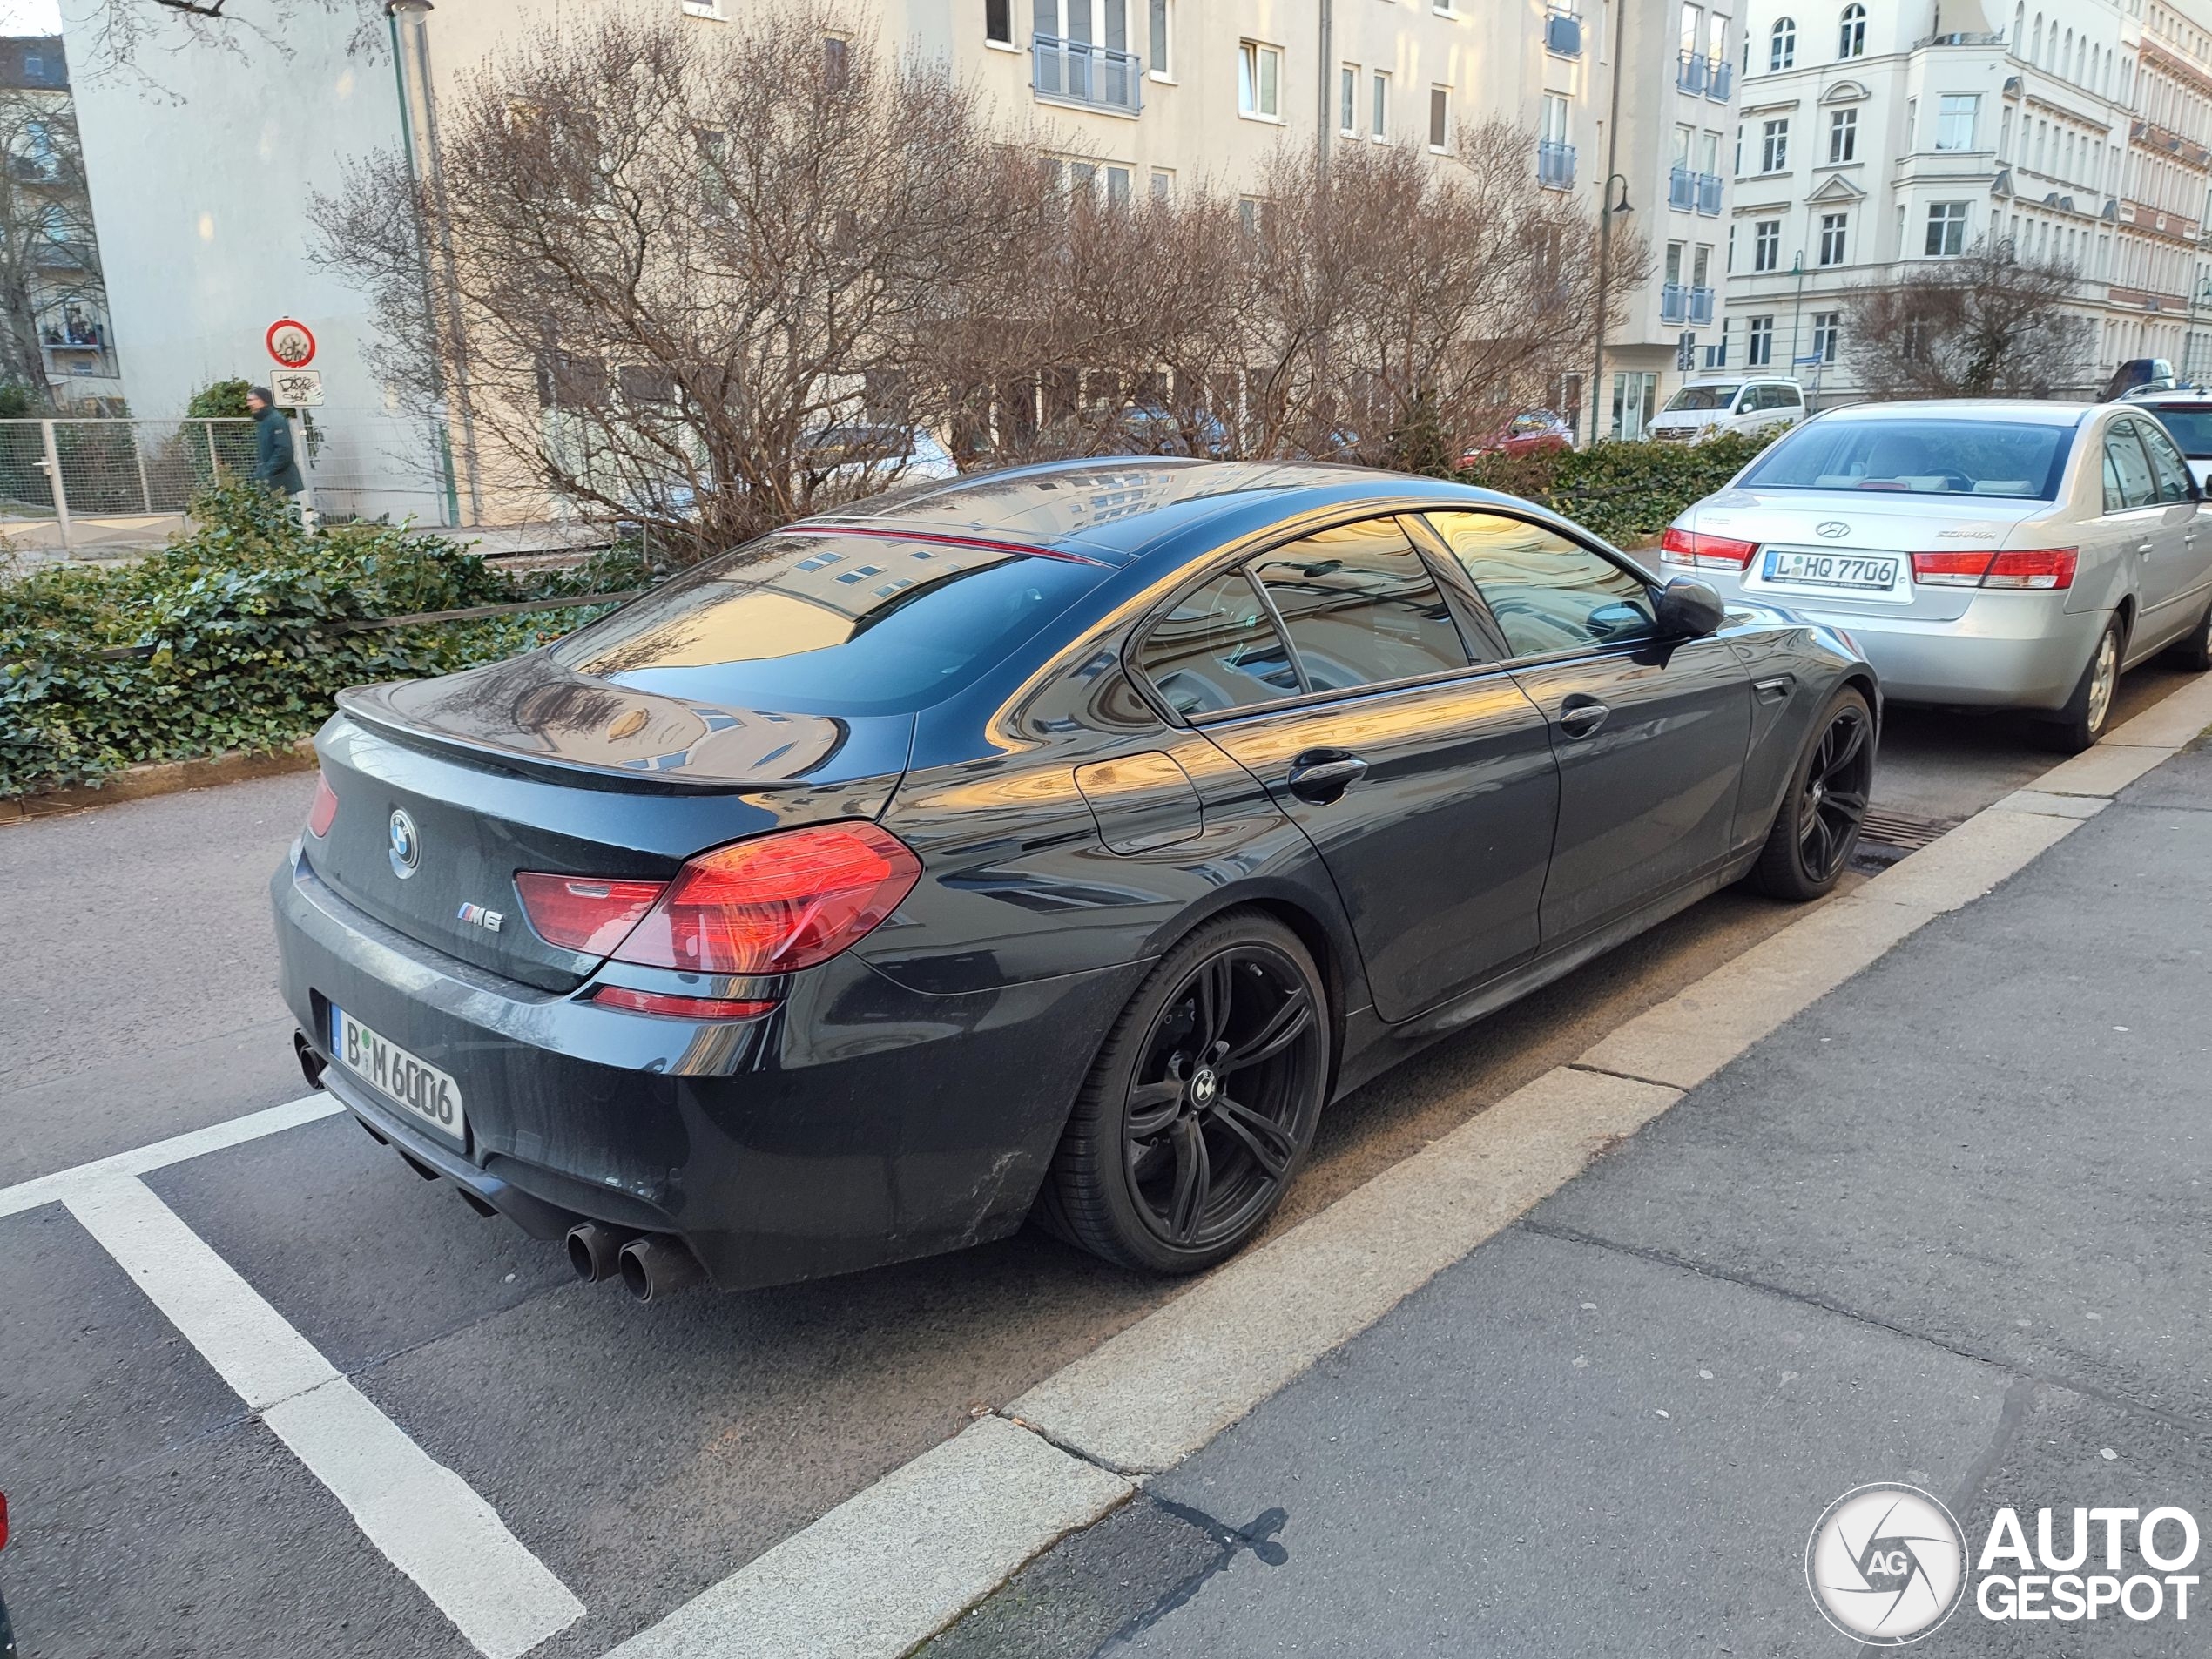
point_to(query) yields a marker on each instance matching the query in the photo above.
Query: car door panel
(1650, 734)
(1438, 848)
(2173, 576)
(2127, 534)
(1647, 798)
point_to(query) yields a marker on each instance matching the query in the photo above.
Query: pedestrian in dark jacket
(274, 463)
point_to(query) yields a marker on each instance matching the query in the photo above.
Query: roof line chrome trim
(942, 540)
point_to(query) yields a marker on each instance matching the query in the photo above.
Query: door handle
(2143, 549)
(1323, 775)
(1584, 718)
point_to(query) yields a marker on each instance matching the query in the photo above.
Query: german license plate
(1832, 570)
(415, 1085)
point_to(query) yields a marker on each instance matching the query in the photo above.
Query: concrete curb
(162, 778)
(1152, 1395)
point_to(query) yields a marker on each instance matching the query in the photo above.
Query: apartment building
(2073, 130)
(1121, 95)
(50, 258)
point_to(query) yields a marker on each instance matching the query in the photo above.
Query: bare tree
(49, 267)
(1985, 324)
(123, 34)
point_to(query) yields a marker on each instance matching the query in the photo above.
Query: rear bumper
(860, 1123)
(2022, 650)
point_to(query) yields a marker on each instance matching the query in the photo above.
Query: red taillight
(776, 904)
(772, 905)
(1710, 552)
(323, 812)
(2046, 569)
(679, 1008)
(581, 913)
(3, 1520)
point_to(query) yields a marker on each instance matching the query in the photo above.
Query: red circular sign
(291, 343)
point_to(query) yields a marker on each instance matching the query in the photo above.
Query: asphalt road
(639, 1453)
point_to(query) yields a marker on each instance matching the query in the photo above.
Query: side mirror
(1689, 608)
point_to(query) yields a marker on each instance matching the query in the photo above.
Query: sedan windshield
(2191, 428)
(1933, 457)
(1701, 397)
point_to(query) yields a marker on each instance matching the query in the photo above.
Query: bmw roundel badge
(407, 846)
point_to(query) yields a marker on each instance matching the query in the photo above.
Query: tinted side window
(2166, 464)
(1360, 607)
(2126, 462)
(1218, 649)
(1548, 593)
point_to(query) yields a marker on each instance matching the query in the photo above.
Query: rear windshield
(831, 624)
(2191, 428)
(1701, 397)
(1934, 457)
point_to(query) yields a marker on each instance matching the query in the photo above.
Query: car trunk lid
(447, 788)
(1846, 523)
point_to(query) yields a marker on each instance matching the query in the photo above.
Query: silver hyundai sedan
(2002, 553)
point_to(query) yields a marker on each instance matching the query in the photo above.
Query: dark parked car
(1057, 841)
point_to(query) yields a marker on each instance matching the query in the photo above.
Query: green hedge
(238, 612)
(1626, 492)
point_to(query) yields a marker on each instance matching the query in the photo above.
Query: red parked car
(1530, 430)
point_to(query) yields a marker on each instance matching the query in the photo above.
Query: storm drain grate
(1900, 829)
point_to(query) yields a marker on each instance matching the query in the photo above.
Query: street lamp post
(1605, 212)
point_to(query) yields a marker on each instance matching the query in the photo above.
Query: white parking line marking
(426, 1520)
(890, 1568)
(53, 1189)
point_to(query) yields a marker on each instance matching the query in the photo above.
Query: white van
(1740, 403)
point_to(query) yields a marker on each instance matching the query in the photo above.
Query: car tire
(1816, 830)
(2081, 722)
(1118, 1185)
(2193, 651)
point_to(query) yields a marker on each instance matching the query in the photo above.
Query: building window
(1946, 229)
(1827, 327)
(702, 8)
(1117, 187)
(836, 58)
(1259, 81)
(1843, 137)
(1955, 118)
(1766, 245)
(1758, 342)
(1161, 40)
(1163, 184)
(1774, 146)
(1440, 117)
(1378, 128)
(1348, 100)
(1782, 44)
(1832, 235)
(1251, 215)
(998, 22)
(1852, 42)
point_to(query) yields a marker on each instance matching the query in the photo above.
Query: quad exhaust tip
(311, 1063)
(653, 1267)
(595, 1252)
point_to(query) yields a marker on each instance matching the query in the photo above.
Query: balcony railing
(1701, 305)
(1680, 302)
(1720, 75)
(1681, 189)
(1692, 70)
(1708, 194)
(1562, 34)
(1076, 72)
(1555, 165)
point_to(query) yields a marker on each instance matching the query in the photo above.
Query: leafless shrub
(1986, 324)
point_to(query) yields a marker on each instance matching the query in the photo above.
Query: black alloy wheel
(1202, 1106)
(1817, 831)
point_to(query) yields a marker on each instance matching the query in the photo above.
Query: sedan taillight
(2044, 569)
(323, 812)
(1699, 550)
(771, 904)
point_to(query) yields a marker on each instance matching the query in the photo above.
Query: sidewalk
(1949, 1226)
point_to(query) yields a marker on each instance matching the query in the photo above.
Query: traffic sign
(296, 389)
(292, 343)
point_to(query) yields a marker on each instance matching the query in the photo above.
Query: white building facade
(202, 195)
(2073, 132)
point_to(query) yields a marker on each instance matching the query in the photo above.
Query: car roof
(2023, 411)
(1117, 508)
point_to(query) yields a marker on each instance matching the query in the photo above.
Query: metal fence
(64, 472)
